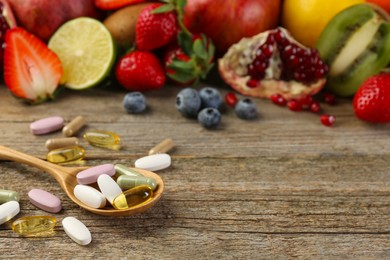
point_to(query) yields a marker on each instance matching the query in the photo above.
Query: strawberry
(175, 55)
(140, 71)
(115, 4)
(31, 70)
(156, 26)
(372, 100)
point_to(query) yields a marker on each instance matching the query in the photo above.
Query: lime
(86, 50)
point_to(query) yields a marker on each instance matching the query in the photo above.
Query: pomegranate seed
(270, 39)
(327, 120)
(278, 35)
(231, 99)
(267, 50)
(278, 100)
(315, 107)
(252, 83)
(329, 98)
(307, 101)
(294, 105)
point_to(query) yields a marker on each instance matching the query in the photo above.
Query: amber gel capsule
(133, 197)
(105, 139)
(34, 225)
(66, 154)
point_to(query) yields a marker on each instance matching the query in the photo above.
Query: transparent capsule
(34, 225)
(8, 195)
(66, 154)
(164, 147)
(120, 169)
(105, 139)
(128, 182)
(133, 197)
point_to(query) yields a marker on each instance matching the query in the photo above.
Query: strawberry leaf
(164, 9)
(183, 65)
(185, 42)
(181, 77)
(200, 50)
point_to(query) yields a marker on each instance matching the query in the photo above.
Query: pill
(34, 225)
(163, 147)
(46, 125)
(8, 195)
(8, 210)
(89, 196)
(55, 143)
(73, 126)
(127, 182)
(120, 169)
(154, 162)
(108, 187)
(90, 175)
(66, 154)
(103, 139)
(44, 200)
(76, 230)
(133, 197)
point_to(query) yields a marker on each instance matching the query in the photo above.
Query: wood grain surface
(282, 186)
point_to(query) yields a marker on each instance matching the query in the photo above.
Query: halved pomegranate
(273, 62)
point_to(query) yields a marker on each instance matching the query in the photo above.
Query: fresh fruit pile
(314, 52)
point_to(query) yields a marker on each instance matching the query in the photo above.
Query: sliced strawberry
(115, 4)
(31, 70)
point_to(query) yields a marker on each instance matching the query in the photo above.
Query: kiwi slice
(356, 45)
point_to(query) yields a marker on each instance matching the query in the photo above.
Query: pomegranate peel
(280, 72)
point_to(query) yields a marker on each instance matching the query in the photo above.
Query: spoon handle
(12, 155)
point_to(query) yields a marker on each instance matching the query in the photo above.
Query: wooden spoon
(66, 177)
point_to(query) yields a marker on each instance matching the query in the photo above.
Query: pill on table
(123, 170)
(34, 225)
(103, 139)
(76, 230)
(91, 175)
(8, 195)
(133, 197)
(8, 210)
(163, 147)
(127, 182)
(154, 162)
(55, 143)
(89, 196)
(66, 154)
(108, 187)
(73, 126)
(46, 125)
(44, 200)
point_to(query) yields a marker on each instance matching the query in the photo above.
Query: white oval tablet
(154, 162)
(108, 187)
(90, 175)
(76, 230)
(8, 210)
(46, 125)
(90, 196)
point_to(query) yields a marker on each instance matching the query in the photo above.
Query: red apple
(43, 17)
(227, 21)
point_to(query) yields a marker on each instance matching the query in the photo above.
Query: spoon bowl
(66, 177)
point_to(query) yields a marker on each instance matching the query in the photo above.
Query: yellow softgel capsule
(34, 225)
(105, 139)
(133, 197)
(66, 154)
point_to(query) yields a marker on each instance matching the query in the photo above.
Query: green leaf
(185, 42)
(164, 9)
(187, 65)
(181, 3)
(211, 51)
(200, 50)
(182, 77)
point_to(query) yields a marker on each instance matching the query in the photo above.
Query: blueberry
(246, 109)
(188, 102)
(209, 117)
(134, 102)
(210, 97)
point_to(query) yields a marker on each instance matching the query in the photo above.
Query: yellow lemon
(306, 19)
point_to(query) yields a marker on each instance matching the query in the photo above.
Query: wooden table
(279, 187)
